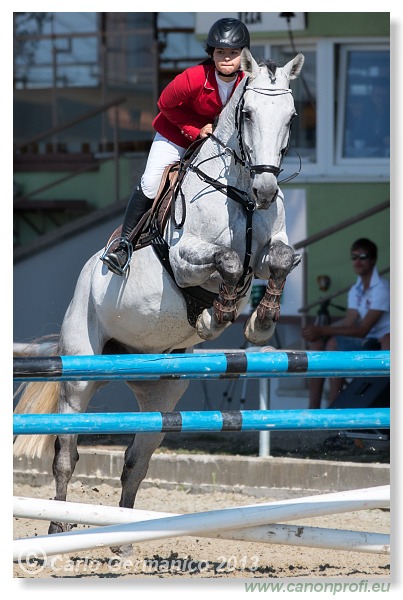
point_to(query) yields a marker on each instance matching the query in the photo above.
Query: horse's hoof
(255, 333)
(203, 326)
(206, 327)
(123, 551)
(59, 527)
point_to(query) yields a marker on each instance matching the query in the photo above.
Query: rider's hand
(206, 130)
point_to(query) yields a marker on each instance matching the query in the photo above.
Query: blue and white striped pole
(223, 365)
(202, 421)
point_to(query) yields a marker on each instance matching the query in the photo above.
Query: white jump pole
(203, 523)
(294, 535)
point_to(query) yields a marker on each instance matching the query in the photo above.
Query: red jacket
(188, 103)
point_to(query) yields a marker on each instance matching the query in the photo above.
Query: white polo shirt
(376, 297)
(225, 89)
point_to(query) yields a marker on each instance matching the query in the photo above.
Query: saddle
(154, 221)
(151, 227)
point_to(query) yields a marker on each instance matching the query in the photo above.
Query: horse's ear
(248, 64)
(293, 68)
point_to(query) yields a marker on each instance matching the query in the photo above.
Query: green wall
(351, 23)
(330, 204)
(327, 205)
(97, 188)
(327, 24)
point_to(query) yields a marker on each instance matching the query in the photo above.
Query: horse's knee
(281, 258)
(229, 265)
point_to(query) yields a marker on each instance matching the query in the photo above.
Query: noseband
(245, 159)
(235, 194)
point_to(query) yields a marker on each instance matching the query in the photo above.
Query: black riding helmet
(228, 33)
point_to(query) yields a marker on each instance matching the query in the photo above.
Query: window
(59, 49)
(303, 136)
(66, 64)
(179, 48)
(363, 116)
(342, 98)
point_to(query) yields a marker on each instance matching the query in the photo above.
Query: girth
(151, 227)
(196, 298)
(149, 231)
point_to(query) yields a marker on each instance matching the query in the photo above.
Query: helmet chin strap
(225, 75)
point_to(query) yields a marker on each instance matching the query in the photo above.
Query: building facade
(85, 93)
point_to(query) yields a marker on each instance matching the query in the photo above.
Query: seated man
(366, 325)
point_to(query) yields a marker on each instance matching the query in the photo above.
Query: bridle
(244, 160)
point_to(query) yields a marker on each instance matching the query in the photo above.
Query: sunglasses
(359, 256)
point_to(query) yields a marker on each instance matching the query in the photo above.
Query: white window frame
(373, 162)
(292, 160)
(327, 168)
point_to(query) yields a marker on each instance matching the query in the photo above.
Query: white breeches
(162, 153)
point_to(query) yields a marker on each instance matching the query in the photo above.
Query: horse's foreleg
(212, 322)
(194, 262)
(275, 264)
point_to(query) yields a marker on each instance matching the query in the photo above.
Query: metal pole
(116, 153)
(264, 404)
(197, 421)
(54, 87)
(202, 523)
(293, 363)
(103, 59)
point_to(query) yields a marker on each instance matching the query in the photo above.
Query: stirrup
(121, 241)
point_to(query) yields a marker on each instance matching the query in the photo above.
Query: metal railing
(321, 235)
(71, 123)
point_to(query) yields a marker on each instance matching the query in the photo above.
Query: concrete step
(203, 472)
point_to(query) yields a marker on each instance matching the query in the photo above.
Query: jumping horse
(227, 226)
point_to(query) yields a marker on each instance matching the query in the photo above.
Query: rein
(244, 160)
(198, 297)
(242, 198)
(245, 157)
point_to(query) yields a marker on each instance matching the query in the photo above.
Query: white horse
(233, 229)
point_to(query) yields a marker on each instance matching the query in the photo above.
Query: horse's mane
(223, 118)
(270, 65)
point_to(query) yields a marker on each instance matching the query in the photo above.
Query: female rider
(188, 107)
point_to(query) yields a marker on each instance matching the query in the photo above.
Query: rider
(188, 107)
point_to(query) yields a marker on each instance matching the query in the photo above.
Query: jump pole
(196, 421)
(222, 365)
(203, 523)
(294, 535)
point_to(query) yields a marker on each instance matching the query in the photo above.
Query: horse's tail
(36, 397)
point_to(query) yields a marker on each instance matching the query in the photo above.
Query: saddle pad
(158, 213)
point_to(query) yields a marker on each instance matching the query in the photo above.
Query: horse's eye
(247, 115)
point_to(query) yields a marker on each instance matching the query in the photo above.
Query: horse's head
(264, 115)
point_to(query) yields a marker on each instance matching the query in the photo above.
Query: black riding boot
(118, 260)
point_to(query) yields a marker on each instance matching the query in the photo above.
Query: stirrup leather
(119, 243)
